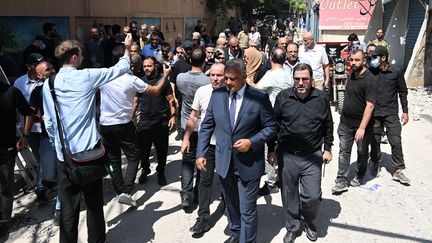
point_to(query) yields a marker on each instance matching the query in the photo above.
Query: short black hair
(47, 27)
(302, 67)
(165, 45)
(353, 37)
(357, 50)
(118, 52)
(278, 55)
(370, 44)
(115, 29)
(210, 45)
(197, 58)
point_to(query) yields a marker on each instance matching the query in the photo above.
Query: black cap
(34, 59)
(380, 51)
(187, 44)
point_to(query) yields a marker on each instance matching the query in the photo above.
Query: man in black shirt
(11, 99)
(354, 123)
(306, 124)
(155, 116)
(391, 84)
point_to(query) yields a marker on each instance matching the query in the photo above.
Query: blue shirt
(76, 94)
(149, 51)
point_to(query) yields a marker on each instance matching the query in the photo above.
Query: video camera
(216, 55)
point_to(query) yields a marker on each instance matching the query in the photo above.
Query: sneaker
(56, 218)
(375, 169)
(339, 187)
(201, 226)
(400, 176)
(161, 179)
(356, 182)
(126, 199)
(186, 202)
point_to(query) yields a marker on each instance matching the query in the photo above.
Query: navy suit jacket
(255, 121)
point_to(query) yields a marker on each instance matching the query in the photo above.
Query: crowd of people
(243, 107)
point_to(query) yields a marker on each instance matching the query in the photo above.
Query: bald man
(199, 106)
(233, 50)
(221, 42)
(317, 57)
(44, 70)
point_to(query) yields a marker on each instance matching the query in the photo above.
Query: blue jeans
(346, 137)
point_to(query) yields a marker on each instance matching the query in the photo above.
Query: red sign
(345, 14)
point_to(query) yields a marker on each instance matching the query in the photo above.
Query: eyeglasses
(297, 79)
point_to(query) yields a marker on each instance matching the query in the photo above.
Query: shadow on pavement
(330, 209)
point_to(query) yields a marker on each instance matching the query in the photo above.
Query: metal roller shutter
(416, 16)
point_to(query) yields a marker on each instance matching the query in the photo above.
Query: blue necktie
(232, 109)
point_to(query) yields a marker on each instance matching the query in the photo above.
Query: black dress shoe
(264, 190)
(231, 240)
(311, 232)
(289, 237)
(161, 179)
(201, 226)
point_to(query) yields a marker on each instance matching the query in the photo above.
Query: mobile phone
(120, 38)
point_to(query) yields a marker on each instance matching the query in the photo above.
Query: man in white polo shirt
(117, 127)
(317, 57)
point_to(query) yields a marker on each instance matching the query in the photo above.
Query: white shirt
(200, 103)
(317, 57)
(255, 37)
(239, 98)
(26, 86)
(117, 99)
(274, 81)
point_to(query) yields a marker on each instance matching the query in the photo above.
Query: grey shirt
(187, 84)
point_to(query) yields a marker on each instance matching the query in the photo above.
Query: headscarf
(253, 59)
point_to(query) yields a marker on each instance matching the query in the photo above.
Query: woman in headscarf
(254, 63)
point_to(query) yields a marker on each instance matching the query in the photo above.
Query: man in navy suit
(243, 120)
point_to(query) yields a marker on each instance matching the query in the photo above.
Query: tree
(298, 6)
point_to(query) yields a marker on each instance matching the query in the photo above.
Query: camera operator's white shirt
(117, 98)
(317, 57)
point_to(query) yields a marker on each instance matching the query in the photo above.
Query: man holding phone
(306, 123)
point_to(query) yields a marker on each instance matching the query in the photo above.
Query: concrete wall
(83, 13)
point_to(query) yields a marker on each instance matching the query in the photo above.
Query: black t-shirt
(37, 101)
(11, 99)
(358, 90)
(153, 109)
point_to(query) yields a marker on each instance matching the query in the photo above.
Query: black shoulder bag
(83, 167)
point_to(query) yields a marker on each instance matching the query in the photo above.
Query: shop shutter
(416, 16)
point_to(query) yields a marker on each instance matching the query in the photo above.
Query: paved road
(381, 211)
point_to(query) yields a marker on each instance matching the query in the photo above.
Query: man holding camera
(155, 116)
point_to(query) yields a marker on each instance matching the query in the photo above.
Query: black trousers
(302, 172)
(205, 185)
(393, 131)
(117, 138)
(157, 135)
(70, 208)
(7, 164)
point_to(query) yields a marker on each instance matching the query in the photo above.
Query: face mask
(375, 63)
(42, 46)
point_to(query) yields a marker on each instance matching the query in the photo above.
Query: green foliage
(298, 6)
